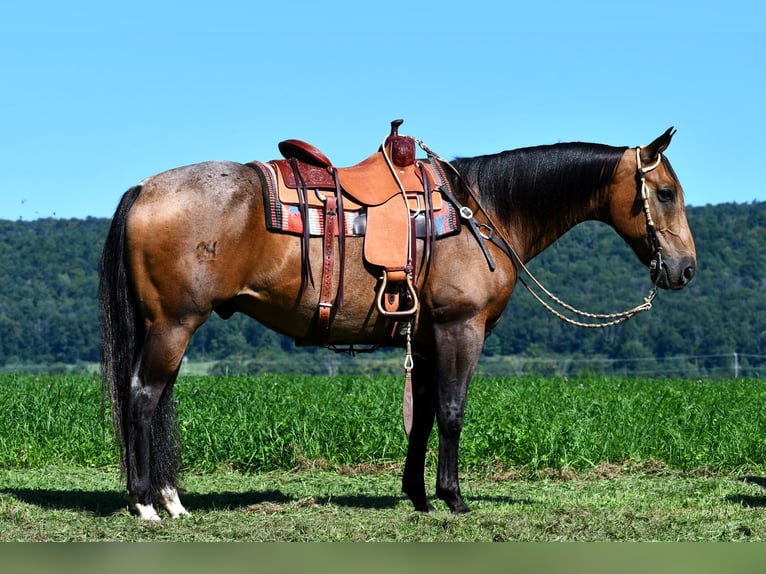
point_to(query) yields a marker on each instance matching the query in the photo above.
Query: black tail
(120, 325)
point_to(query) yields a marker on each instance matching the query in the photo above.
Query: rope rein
(604, 319)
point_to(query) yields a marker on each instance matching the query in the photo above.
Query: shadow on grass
(747, 500)
(382, 502)
(106, 503)
(96, 502)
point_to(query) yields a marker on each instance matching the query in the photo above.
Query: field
(319, 459)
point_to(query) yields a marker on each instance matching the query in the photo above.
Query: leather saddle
(392, 187)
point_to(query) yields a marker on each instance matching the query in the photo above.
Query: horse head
(647, 209)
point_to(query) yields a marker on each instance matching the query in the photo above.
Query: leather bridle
(655, 265)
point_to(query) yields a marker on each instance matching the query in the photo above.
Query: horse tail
(121, 329)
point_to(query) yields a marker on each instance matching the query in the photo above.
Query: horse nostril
(689, 273)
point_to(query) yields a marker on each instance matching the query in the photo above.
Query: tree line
(49, 314)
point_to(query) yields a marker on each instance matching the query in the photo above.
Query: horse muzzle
(672, 274)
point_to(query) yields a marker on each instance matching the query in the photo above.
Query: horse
(192, 241)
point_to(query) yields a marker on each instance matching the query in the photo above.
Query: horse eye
(666, 194)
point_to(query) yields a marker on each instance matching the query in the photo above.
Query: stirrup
(403, 312)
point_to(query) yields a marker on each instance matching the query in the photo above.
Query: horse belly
(274, 297)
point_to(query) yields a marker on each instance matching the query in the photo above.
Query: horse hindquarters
(143, 414)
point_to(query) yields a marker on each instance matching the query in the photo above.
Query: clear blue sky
(95, 96)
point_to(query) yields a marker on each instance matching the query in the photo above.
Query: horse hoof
(426, 508)
(146, 512)
(456, 504)
(172, 503)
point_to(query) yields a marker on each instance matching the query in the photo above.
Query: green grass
(268, 423)
(580, 423)
(63, 503)
(53, 419)
(318, 458)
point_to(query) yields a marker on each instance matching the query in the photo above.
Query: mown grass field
(319, 459)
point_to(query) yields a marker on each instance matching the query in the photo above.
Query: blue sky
(98, 95)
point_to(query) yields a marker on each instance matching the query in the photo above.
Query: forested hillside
(48, 311)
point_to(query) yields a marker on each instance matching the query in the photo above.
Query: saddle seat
(369, 183)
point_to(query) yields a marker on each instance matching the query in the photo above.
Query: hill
(48, 311)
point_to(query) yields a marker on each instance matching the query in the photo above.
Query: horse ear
(650, 152)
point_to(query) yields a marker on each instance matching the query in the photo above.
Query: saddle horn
(401, 149)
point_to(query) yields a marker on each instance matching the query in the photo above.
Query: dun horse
(193, 240)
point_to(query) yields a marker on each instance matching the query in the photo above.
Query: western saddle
(393, 188)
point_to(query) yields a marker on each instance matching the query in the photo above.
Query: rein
(490, 232)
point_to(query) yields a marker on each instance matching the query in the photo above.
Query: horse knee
(450, 419)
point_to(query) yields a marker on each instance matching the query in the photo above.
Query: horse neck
(533, 234)
(538, 194)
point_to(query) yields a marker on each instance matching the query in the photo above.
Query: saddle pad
(286, 217)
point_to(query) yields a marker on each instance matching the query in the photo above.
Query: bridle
(490, 232)
(655, 265)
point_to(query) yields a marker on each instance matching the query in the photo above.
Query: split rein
(599, 320)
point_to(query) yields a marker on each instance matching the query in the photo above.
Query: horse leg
(458, 348)
(152, 452)
(423, 413)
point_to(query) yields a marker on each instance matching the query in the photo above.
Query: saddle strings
(608, 319)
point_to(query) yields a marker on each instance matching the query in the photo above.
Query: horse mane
(546, 185)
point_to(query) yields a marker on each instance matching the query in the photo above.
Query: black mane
(550, 184)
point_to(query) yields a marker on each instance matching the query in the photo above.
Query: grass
(319, 459)
(350, 504)
(254, 424)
